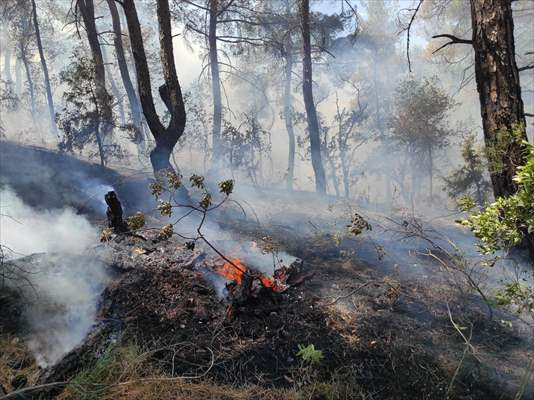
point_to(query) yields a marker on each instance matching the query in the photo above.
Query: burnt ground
(380, 335)
(383, 335)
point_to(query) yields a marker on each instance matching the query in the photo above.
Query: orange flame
(232, 273)
(267, 281)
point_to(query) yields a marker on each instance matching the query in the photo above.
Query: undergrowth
(124, 372)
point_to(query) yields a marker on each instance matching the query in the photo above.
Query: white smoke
(62, 286)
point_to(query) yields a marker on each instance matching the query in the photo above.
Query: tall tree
(135, 108)
(307, 93)
(217, 22)
(170, 92)
(497, 78)
(214, 12)
(44, 68)
(7, 61)
(288, 113)
(87, 11)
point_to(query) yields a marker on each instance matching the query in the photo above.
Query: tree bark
(288, 119)
(87, 11)
(7, 62)
(170, 92)
(18, 77)
(29, 79)
(135, 108)
(117, 95)
(498, 86)
(44, 67)
(215, 79)
(307, 93)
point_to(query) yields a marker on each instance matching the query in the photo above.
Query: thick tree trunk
(44, 67)
(307, 93)
(87, 11)
(135, 108)
(170, 92)
(215, 80)
(498, 86)
(288, 119)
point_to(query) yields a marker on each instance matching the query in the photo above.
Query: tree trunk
(87, 10)
(430, 172)
(171, 94)
(215, 80)
(498, 86)
(345, 171)
(335, 181)
(29, 80)
(135, 108)
(44, 67)
(18, 77)
(7, 62)
(117, 95)
(288, 119)
(307, 93)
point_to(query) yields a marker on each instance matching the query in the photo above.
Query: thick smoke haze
(26, 231)
(61, 285)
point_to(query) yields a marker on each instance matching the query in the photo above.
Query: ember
(233, 271)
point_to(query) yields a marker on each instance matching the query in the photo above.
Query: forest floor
(164, 332)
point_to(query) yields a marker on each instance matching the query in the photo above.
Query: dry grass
(126, 373)
(15, 359)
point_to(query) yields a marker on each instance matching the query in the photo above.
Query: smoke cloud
(61, 285)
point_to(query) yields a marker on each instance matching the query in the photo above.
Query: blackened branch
(408, 29)
(531, 66)
(453, 40)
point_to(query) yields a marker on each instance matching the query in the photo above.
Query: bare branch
(526, 67)
(453, 40)
(408, 30)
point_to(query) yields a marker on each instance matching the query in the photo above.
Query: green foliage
(505, 222)
(80, 119)
(91, 383)
(243, 145)
(503, 150)
(420, 119)
(518, 295)
(310, 354)
(466, 203)
(469, 179)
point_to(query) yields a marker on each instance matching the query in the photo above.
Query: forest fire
(234, 270)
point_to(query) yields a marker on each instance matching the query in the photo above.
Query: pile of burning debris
(245, 283)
